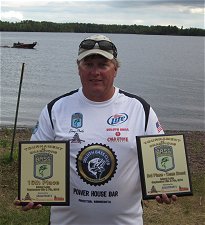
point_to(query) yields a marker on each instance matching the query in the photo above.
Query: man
(102, 122)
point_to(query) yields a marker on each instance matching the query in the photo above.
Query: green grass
(198, 146)
(187, 210)
(10, 214)
(4, 143)
(18, 217)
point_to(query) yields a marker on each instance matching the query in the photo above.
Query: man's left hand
(165, 199)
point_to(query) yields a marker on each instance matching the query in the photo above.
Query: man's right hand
(30, 205)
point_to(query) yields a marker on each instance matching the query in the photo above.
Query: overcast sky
(186, 13)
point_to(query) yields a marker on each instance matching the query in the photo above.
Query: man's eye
(88, 64)
(103, 64)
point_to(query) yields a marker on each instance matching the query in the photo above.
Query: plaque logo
(43, 166)
(164, 157)
(96, 164)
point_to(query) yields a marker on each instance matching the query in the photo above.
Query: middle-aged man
(101, 122)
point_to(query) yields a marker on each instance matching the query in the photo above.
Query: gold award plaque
(163, 165)
(44, 172)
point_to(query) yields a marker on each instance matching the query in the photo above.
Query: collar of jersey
(100, 104)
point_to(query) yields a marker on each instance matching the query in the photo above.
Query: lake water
(167, 71)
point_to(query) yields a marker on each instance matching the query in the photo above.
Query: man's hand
(164, 199)
(27, 207)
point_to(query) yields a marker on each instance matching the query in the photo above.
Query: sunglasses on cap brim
(103, 45)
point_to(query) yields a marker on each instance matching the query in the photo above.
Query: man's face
(97, 75)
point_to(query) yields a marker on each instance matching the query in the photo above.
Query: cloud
(197, 11)
(11, 15)
(187, 13)
(191, 10)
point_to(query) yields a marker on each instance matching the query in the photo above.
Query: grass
(189, 210)
(10, 214)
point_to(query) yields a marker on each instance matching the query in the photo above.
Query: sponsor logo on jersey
(117, 139)
(164, 158)
(117, 134)
(96, 164)
(117, 119)
(116, 129)
(77, 120)
(43, 166)
(76, 139)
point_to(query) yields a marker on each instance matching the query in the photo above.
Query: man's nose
(95, 70)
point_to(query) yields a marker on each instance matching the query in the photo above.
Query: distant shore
(36, 26)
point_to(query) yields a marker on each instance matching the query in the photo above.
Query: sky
(186, 13)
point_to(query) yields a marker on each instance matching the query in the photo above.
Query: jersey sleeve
(153, 127)
(43, 130)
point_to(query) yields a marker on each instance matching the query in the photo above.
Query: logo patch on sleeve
(35, 128)
(96, 164)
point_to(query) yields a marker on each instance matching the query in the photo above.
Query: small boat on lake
(23, 45)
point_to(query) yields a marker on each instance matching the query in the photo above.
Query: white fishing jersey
(105, 186)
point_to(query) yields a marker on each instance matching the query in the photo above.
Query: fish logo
(164, 158)
(43, 166)
(77, 120)
(96, 164)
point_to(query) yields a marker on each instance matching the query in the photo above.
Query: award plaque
(163, 165)
(44, 172)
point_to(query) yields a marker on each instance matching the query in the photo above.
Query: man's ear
(78, 66)
(115, 71)
(78, 69)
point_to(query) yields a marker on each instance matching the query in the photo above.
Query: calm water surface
(167, 71)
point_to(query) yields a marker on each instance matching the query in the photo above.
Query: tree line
(44, 26)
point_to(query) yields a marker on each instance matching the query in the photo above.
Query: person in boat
(101, 121)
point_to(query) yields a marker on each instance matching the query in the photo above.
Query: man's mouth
(95, 80)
